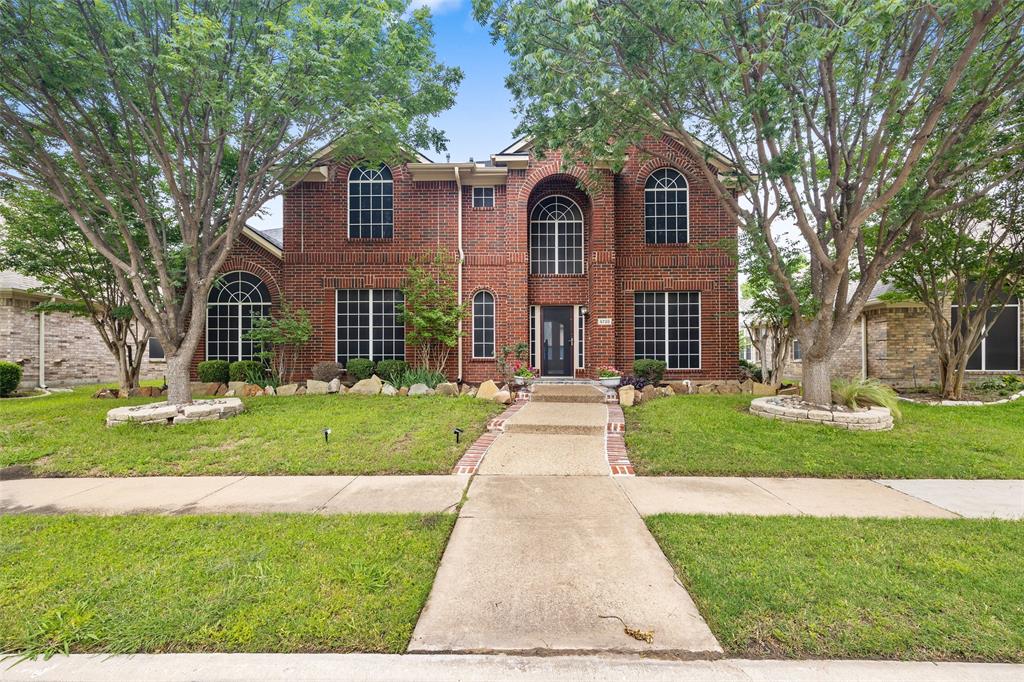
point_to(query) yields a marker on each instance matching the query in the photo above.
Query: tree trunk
(179, 391)
(817, 381)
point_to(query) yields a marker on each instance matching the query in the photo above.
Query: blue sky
(481, 122)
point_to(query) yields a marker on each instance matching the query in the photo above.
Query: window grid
(370, 203)
(235, 300)
(1005, 362)
(798, 351)
(369, 324)
(483, 325)
(534, 357)
(556, 237)
(667, 327)
(581, 325)
(666, 207)
(483, 197)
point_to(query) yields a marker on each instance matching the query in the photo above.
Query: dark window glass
(370, 202)
(236, 299)
(1000, 346)
(556, 237)
(370, 324)
(483, 325)
(666, 207)
(483, 197)
(667, 327)
(156, 351)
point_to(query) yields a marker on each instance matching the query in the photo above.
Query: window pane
(483, 325)
(666, 207)
(236, 299)
(1002, 344)
(556, 237)
(370, 202)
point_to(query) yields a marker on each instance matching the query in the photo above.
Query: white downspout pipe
(462, 259)
(42, 349)
(863, 345)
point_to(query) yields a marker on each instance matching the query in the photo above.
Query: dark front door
(556, 341)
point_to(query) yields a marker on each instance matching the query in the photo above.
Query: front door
(556, 341)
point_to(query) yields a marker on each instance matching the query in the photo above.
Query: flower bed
(794, 409)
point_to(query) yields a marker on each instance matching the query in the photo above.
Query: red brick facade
(319, 258)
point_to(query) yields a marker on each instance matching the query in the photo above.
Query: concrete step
(566, 393)
(577, 419)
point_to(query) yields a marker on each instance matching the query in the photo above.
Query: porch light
(584, 310)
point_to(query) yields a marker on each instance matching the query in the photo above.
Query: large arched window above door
(371, 196)
(556, 237)
(235, 301)
(666, 207)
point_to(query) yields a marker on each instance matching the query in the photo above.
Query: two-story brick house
(589, 266)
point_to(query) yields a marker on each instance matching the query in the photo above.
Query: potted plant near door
(609, 376)
(522, 373)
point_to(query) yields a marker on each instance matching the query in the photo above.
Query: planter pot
(521, 381)
(610, 382)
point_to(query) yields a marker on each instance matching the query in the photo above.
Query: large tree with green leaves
(194, 115)
(38, 238)
(841, 118)
(972, 258)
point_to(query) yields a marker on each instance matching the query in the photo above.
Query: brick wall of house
(319, 258)
(75, 354)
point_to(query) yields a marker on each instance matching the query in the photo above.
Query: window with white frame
(666, 207)
(534, 357)
(156, 351)
(483, 197)
(235, 301)
(667, 327)
(797, 351)
(370, 324)
(370, 203)
(483, 325)
(556, 237)
(999, 350)
(746, 348)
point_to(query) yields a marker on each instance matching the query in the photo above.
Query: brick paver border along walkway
(450, 668)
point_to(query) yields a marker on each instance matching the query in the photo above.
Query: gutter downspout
(42, 349)
(863, 345)
(462, 259)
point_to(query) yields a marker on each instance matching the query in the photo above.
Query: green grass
(271, 583)
(717, 436)
(64, 434)
(853, 588)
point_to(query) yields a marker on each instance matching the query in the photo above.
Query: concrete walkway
(441, 668)
(233, 494)
(826, 497)
(557, 561)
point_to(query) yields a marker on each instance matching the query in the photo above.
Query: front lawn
(271, 583)
(717, 436)
(64, 434)
(795, 587)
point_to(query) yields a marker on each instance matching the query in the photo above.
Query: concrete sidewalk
(451, 668)
(825, 497)
(233, 494)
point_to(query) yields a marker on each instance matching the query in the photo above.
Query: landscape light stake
(457, 432)
(327, 435)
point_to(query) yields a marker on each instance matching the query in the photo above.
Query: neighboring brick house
(891, 341)
(639, 263)
(70, 346)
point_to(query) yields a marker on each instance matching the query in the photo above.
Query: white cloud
(437, 6)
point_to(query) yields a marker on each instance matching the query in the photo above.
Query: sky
(481, 122)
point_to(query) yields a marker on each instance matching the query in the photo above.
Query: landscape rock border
(166, 413)
(965, 403)
(793, 409)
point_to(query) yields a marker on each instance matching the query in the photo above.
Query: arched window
(666, 207)
(556, 237)
(236, 299)
(483, 325)
(370, 203)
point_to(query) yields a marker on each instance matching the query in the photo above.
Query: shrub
(214, 371)
(360, 368)
(251, 371)
(636, 382)
(652, 370)
(10, 377)
(391, 371)
(750, 370)
(420, 375)
(328, 371)
(861, 392)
